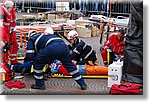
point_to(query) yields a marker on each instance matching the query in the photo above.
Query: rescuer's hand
(6, 47)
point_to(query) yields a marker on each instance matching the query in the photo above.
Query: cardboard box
(51, 16)
(28, 16)
(83, 32)
(58, 21)
(94, 31)
(114, 73)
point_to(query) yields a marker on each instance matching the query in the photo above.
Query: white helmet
(72, 34)
(8, 3)
(31, 33)
(48, 30)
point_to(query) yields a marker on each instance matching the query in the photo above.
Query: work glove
(12, 29)
(6, 47)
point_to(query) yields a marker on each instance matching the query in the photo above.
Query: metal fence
(90, 6)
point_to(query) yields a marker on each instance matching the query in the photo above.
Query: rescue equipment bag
(128, 89)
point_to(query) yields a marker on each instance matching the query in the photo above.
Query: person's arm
(4, 46)
(30, 52)
(69, 46)
(108, 42)
(77, 50)
(119, 48)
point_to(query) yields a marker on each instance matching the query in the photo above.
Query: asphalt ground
(60, 86)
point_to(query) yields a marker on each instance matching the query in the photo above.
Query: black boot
(34, 86)
(82, 84)
(84, 87)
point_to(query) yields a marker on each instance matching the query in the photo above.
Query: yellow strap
(91, 63)
(32, 70)
(108, 56)
(87, 76)
(44, 68)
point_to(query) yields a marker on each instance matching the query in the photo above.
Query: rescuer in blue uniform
(44, 48)
(80, 51)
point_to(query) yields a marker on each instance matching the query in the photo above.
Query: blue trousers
(59, 51)
(17, 67)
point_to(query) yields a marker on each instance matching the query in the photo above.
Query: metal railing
(92, 7)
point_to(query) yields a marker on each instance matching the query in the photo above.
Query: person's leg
(48, 55)
(104, 56)
(112, 57)
(73, 71)
(4, 58)
(44, 56)
(67, 62)
(14, 49)
(18, 68)
(38, 73)
(92, 58)
(40, 60)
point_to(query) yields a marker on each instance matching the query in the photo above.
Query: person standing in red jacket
(5, 18)
(115, 45)
(8, 38)
(12, 38)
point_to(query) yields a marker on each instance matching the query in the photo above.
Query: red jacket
(115, 45)
(6, 17)
(5, 29)
(3, 34)
(12, 36)
(13, 15)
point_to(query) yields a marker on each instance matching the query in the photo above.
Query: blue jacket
(38, 42)
(82, 51)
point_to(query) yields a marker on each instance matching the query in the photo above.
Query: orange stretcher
(96, 70)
